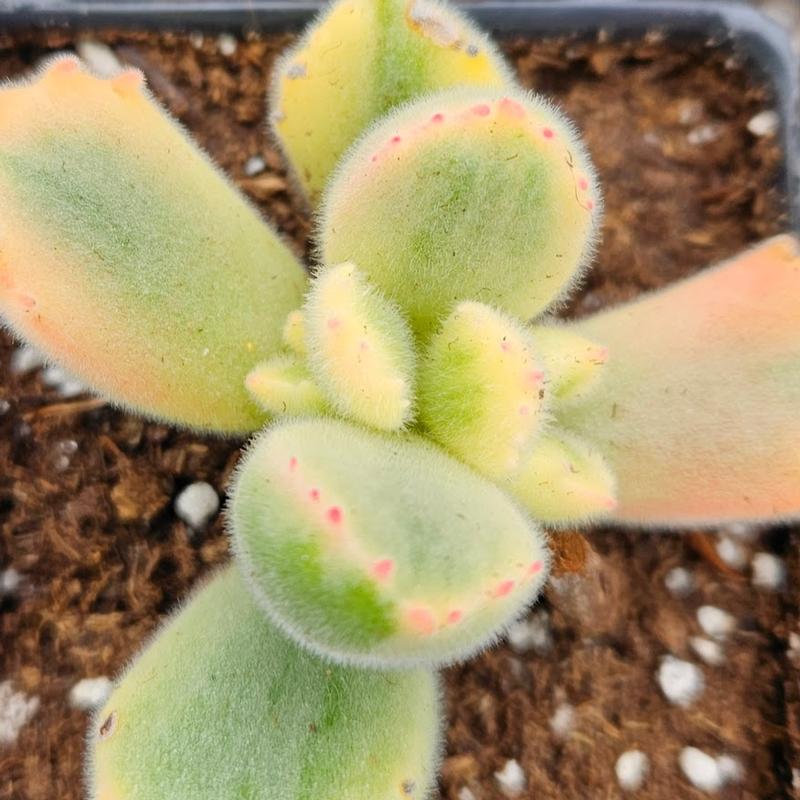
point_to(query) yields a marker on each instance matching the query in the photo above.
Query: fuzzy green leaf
(466, 195)
(360, 59)
(128, 258)
(360, 349)
(222, 706)
(482, 389)
(565, 481)
(380, 549)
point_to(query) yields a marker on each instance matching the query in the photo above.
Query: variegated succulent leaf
(282, 385)
(482, 389)
(360, 349)
(470, 194)
(222, 705)
(565, 480)
(573, 363)
(380, 549)
(697, 412)
(127, 257)
(359, 60)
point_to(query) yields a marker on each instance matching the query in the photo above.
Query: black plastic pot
(760, 42)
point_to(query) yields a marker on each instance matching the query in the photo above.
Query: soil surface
(86, 492)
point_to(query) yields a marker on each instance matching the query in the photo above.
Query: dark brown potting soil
(86, 492)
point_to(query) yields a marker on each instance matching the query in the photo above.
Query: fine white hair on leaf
(349, 539)
(323, 97)
(134, 311)
(428, 252)
(387, 722)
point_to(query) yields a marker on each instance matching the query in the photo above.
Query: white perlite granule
(226, 44)
(765, 123)
(742, 530)
(100, 58)
(16, 709)
(704, 134)
(681, 681)
(254, 165)
(709, 650)
(68, 385)
(10, 580)
(679, 581)
(563, 720)
(90, 693)
(511, 779)
(730, 769)
(196, 504)
(532, 633)
(769, 572)
(701, 769)
(707, 773)
(26, 359)
(732, 552)
(715, 622)
(632, 768)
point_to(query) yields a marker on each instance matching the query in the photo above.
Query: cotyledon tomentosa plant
(419, 427)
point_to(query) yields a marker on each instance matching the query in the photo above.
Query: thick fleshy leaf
(565, 481)
(482, 389)
(466, 195)
(380, 549)
(360, 349)
(698, 412)
(283, 386)
(360, 59)
(222, 706)
(127, 257)
(573, 363)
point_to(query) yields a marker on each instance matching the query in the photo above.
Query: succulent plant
(360, 349)
(696, 414)
(423, 414)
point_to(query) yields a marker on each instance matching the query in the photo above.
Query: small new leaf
(482, 389)
(360, 349)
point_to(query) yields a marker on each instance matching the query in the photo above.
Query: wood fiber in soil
(103, 557)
